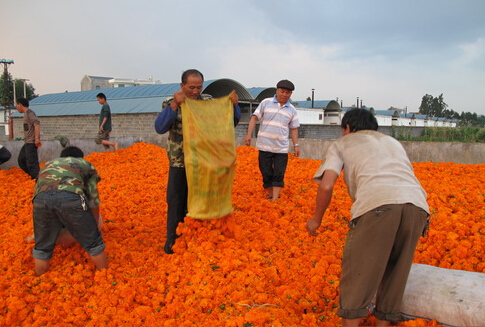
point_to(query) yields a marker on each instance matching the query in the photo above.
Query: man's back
(377, 171)
(70, 174)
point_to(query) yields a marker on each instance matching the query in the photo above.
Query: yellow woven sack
(210, 156)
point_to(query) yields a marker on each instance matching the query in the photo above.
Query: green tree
(6, 89)
(439, 106)
(433, 106)
(426, 107)
(468, 119)
(29, 90)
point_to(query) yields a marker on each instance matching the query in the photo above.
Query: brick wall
(86, 126)
(142, 125)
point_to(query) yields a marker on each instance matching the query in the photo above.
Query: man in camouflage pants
(66, 195)
(170, 120)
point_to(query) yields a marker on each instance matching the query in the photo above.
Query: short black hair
(72, 151)
(23, 101)
(101, 95)
(189, 72)
(359, 119)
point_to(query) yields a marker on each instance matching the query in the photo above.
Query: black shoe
(168, 245)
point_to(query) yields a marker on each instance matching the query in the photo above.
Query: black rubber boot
(168, 245)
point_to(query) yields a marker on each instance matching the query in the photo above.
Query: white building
(321, 112)
(89, 83)
(4, 115)
(125, 82)
(330, 113)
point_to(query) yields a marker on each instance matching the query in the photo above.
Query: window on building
(320, 117)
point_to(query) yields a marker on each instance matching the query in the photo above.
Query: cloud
(386, 52)
(472, 55)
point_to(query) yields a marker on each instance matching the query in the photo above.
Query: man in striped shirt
(278, 122)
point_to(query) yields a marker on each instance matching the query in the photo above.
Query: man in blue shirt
(170, 120)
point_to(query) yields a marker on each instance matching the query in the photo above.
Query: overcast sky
(387, 53)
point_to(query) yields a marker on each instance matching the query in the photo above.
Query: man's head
(284, 89)
(22, 105)
(72, 151)
(192, 82)
(358, 119)
(101, 98)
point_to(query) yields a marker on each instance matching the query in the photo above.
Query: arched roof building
(261, 93)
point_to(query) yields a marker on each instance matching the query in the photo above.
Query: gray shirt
(377, 171)
(30, 119)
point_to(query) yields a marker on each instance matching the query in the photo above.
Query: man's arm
(237, 114)
(251, 125)
(165, 119)
(324, 196)
(294, 139)
(237, 110)
(102, 123)
(37, 135)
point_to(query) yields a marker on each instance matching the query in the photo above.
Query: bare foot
(30, 238)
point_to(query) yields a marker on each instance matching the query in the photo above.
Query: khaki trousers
(377, 258)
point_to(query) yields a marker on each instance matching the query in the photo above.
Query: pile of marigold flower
(256, 267)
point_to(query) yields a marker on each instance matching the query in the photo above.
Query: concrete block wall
(314, 139)
(319, 132)
(86, 126)
(462, 153)
(142, 125)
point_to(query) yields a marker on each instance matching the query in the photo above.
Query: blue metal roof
(384, 112)
(408, 115)
(117, 106)
(155, 90)
(133, 99)
(316, 104)
(326, 104)
(262, 93)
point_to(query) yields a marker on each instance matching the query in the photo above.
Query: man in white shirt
(388, 215)
(278, 121)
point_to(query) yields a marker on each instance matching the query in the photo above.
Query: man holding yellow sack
(170, 120)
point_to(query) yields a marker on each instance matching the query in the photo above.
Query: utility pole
(6, 63)
(25, 88)
(313, 96)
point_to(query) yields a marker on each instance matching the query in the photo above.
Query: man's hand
(178, 98)
(312, 226)
(247, 140)
(297, 150)
(233, 97)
